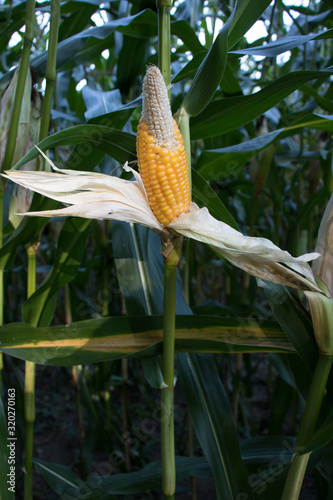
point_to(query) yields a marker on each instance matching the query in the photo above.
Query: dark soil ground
(57, 437)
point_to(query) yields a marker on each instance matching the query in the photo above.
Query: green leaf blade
(115, 337)
(214, 424)
(225, 115)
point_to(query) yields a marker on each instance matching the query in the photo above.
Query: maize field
(166, 250)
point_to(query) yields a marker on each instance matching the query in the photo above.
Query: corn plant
(180, 223)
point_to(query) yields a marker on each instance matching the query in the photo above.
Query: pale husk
(99, 196)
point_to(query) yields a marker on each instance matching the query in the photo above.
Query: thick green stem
(164, 52)
(51, 71)
(317, 390)
(170, 270)
(29, 406)
(29, 387)
(29, 391)
(167, 414)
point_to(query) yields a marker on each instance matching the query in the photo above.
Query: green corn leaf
(295, 321)
(185, 32)
(99, 103)
(118, 118)
(223, 162)
(130, 62)
(281, 45)
(76, 18)
(208, 75)
(259, 451)
(119, 145)
(27, 231)
(85, 45)
(267, 460)
(282, 369)
(205, 195)
(214, 424)
(153, 372)
(210, 71)
(322, 101)
(283, 394)
(39, 308)
(116, 337)
(312, 120)
(139, 264)
(244, 16)
(60, 478)
(321, 437)
(189, 70)
(115, 118)
(64, 482)
(318, 199)
(139, 277)
(224, 115)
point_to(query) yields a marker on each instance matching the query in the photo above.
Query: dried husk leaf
(323, 266)
(98, 196)
(321, 308)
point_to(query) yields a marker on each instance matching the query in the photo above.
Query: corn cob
(161, 153)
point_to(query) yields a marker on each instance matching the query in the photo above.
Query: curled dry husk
(27, 135)
(321, 306)
(99, 196)
(323, 266)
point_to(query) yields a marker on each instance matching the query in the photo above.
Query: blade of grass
(214, 424)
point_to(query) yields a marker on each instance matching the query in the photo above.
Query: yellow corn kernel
(161, 153)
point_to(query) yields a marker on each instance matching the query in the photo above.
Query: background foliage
(261, 123)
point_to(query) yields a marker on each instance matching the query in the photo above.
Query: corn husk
(321, 308)
(323, 266)
(99, 196)
(27, 136)
(6, 109)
